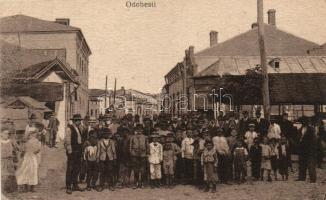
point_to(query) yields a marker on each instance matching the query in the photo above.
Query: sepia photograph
(163, 99)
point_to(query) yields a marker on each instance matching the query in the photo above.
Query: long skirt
(28, 171)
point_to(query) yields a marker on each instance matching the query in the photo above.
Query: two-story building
(296, 67)
(37, 34)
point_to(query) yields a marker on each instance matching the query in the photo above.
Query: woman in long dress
(27, 173)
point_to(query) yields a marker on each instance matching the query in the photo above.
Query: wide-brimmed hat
(251, 125)
(76, 117)
(155, 136)
(32, 116)
(139, 127)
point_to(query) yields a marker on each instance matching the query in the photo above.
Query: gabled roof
(277, 43)
(38, 70)
(13, 57)
(27, 101)
(23, 23)
(239, 65)
(98, 92)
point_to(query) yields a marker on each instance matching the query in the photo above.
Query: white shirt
(187, 149)
(221, 145)
(249, 138)
(155, 153)
(274, 131)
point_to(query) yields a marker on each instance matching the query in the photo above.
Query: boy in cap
(209, 162)
(90, 156)
(106, 156)
(240, 155)
(250, 135)
(138, 152)
(155, 158)
(224, 156)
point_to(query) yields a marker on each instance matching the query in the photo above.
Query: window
(76, 96)
(96, 112)
(91, 112)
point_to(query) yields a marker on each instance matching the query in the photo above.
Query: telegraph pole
(106, 91)
(263, 64)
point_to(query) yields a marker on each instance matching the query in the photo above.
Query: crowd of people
(164, 151)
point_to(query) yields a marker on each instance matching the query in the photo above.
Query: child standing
(284, 158)
(187, 154)
(8, 181)
(27, 174)
(255, 159)
(274, 156)
(106, 156)
(209, 162)
(155, 158)
(250, 135)
(92, 167)
(168, 164)
(265, 161)
(240, 154)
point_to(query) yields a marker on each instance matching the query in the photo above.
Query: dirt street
(52, 182)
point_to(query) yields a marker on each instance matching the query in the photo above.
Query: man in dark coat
(321, 143)
(307, 151)
(261, 125)
(73, 146)
(53, 127)
(244, 123)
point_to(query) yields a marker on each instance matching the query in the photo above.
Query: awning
(42, 92)
(300, 89)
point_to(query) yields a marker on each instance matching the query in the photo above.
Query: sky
(139, 46)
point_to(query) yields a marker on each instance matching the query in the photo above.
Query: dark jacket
(261, 127)
(308, 143)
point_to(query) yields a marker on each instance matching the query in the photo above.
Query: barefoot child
(240, 158)
(8, 181)
(209, 162)
(274, 156)
(168, 164)
(92, 165)
(155, 158)
(284, 158)
(265, 161)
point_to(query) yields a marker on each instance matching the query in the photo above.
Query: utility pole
(263, 64)
(115, 90)
(114, 94)
(106, 92)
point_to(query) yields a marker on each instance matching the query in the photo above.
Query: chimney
(213, 38)
(271, 17)
(191, 51)
(254, 25)
(123, 90)
(63, 21)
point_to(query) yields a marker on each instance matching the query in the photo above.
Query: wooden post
(263, 64)
(106, 92)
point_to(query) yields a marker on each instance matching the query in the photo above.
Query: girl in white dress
(27, 173)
